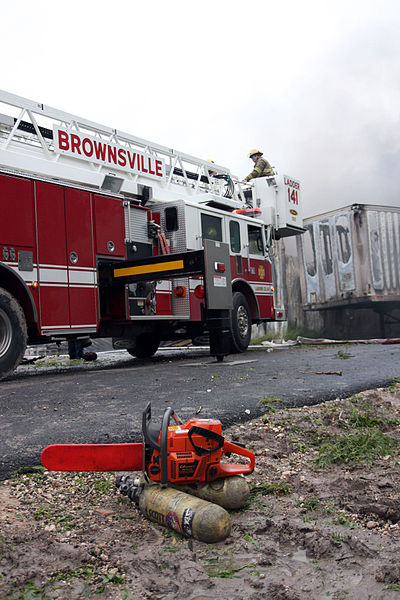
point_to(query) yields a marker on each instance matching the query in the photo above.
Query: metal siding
(392, 250)
(384, 249)
(135, 224)
(396, 235)
(312, 281)
(177, 241)
(374, 245)
(327, 283)
(371, 272)
(345, 270)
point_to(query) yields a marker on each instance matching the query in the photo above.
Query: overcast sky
(314, 84)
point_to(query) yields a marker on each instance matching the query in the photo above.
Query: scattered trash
(31, 361)
(323, 372)
(105, 513)
(305, 340)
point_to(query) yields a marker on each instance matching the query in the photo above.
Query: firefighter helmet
(254, 152)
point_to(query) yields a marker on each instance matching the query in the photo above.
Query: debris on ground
(322, 520)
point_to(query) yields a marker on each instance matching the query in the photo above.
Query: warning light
(199, 291)
(35, 284)
(179, 291)
(220, 267)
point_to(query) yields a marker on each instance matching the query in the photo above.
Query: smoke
(345, 124)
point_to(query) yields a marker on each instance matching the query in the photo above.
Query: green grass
(104, 486)
(310, 504)
(112, 578)
(217, 568)
(341, 519)
(248, 538)
(31, 591)
(394, 385)
(35, 471)
(338, 537)
(268, 403)
(362, 414)
(343, 355)
(264, 489)
(290, 333)
(87, 570)
(363, 445)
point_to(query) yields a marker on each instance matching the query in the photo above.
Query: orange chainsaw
(181, 453)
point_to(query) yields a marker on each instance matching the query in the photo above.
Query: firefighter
(262, 168)
(211, 173)
(75, 350)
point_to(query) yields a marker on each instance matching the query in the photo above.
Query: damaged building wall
(343, 279)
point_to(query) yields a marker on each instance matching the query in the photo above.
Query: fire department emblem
(261, 272)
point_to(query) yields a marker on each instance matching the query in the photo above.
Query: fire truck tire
(240, 324)
(13, 333)
(145, 347)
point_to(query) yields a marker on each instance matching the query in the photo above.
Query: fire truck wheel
(241, 323)
(13, 333)
(145, 347)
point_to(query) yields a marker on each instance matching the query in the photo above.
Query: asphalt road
(103, 402)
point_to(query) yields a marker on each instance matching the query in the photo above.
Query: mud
(313, 529)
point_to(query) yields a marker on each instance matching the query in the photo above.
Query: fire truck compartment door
(82, 284)
(51, 257)
(217, 275)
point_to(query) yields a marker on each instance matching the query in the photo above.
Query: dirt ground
(322, 521)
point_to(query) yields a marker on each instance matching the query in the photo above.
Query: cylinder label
(173, 522)
(187, 520)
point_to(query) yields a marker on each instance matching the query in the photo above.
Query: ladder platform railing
(27, 142)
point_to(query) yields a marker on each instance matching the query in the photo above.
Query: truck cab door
(258, 270)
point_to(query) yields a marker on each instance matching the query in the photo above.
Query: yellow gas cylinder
(181, 512)
(229, 492)
(184, 513)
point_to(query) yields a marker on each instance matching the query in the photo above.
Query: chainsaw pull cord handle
(208, 435)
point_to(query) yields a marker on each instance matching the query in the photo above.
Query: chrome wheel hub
(242, 321)
(5, 333)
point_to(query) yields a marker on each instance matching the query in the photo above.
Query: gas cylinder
(181, 512)
(229, 492)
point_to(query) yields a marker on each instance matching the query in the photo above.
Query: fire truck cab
(102, 235)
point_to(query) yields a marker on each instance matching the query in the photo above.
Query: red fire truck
(102, 234)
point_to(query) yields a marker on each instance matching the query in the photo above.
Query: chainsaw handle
(150, 431)
(164, 445)
(208, 435)
(227, 469)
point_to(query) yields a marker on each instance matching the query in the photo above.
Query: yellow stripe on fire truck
(152, 268)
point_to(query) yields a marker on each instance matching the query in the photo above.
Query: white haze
(313, 84)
